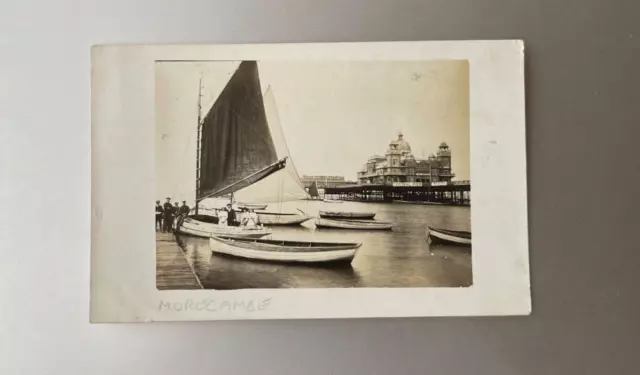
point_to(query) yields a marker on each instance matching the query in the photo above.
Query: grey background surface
(583, 117)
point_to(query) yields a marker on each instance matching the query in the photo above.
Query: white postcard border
(123, 273)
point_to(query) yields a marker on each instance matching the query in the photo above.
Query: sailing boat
(238, 156)
(234, 150)
(314, 194)
(313, 190)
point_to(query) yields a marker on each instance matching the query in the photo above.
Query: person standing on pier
(176, 216)
(159, 212)
(181, 213)
(184, 209)
(167, 218)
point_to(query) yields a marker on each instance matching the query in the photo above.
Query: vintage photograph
(312, 174)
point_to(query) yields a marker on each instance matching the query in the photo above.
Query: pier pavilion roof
(400, 144)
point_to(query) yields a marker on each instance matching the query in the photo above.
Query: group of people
(168, 213)
(248, 218)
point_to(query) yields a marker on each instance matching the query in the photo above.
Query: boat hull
(353, 224)
(274, 218)
(203, 229)
(346, 215)
(252, 206)
(442, 236)
(283, 251)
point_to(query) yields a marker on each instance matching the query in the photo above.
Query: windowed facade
(399, 165)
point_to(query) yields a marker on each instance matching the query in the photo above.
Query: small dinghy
(284, 251)
(451, 237)
(252, 206)
(346, 215)
(280, 218)
(207, 226)
(353, 224)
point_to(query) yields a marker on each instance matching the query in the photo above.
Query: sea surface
(398, 258)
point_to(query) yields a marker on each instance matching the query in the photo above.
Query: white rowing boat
(284, 251)
(279, 218)
(451, 237)
(353, 224)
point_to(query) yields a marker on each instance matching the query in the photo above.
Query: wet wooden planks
(173, 271)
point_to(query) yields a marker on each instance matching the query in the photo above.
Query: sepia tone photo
(312, 174)
(309, 181)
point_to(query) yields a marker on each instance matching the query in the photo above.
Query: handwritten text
(216, 305)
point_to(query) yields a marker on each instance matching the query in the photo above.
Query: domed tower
(393, 154)
(403, 145)
(444, 159)
(400, 162)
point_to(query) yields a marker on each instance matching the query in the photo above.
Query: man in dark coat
(176, 216)
(159, 212)
(184, 209)
(181, 213)
(231, 216)
(168, 216)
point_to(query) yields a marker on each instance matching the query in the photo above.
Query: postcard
(295, 181)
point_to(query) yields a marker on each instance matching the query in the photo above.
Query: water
(398, 258)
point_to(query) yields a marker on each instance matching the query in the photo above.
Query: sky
(334, 114)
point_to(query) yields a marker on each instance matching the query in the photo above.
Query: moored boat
(281, 218)
(250, 163)
(346, 215)
(206, 227)
(264, 217)
(353, 224)
(252, 206)
(451, 237)
(284, 251)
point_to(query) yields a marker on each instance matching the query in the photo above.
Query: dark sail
(313, 189)
(236, 145)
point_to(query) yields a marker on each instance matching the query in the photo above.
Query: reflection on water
(398, 258)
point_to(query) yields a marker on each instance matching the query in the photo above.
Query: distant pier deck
(453, 193)
(173, 271)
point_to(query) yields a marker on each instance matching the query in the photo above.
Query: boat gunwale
(455, 233)
(279, 213)
(277, 242)
(374, 222)
(248, 232)
(353, 224)
(346, 215)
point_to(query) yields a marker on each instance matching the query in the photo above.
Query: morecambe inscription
(213, 305)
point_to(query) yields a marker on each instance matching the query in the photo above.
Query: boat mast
(198, 144)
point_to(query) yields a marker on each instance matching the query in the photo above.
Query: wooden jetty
(451, 193)
(173, 270)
